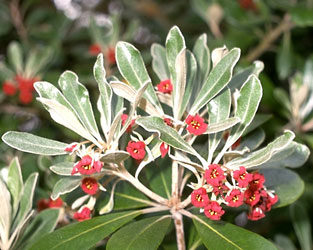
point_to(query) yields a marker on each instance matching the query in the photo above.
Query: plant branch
(179, 227)
(17, 20)
(267, 41)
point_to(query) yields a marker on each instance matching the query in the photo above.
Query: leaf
(166, 133)
(140, 235)
(286, 183)
(33, 144)
(159, 63)
(284, 58)
(247, 105)
(67, 118)
(77, 94)
(222, 125)
(175, 55)
(257, 121)
(132, 68)
(62, 168)
(293, 155)
(37, 60)
(252, 141)
(221, 235)
(202, 55)
(301, 16)
(15, 57)
(127, 196)
(105, 93)
(217, 80)
(15, 183)
(5, 212)
(263, 155)
(65, 185)
(26, 201)
(114, 157)
(241, 77)
(43, 223)
(180, 84)
(283, 242)
(302, 226)
(84, 235)
(190, 82)
(218, 109)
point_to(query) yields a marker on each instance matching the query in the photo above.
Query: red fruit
(9, 88)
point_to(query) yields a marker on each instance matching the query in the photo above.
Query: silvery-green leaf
(49, 91)
(77, 94)
(202, 55)
(239, 78)
(293, 155)
(62, 168)
(108, 207)
(217, 80)
(132, 68)
(284, 58)
(222, 125)
(105, 93)
(247, 105)
(114, 157)
(5, 212)
(127, 92)
(65, 185)
(190, 82)
(26, 201)
(159, 63)
(166, 133)
(253, 140)
(15, 183)
(180, 84)
(257, 121)
(15, 56)
(33, 144)
(115, 128)
(219, 109)
(263, 155)
(62, 115)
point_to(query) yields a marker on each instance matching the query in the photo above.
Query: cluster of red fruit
(23, 84)
(233, 188)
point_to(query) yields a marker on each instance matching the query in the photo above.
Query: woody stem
(179, 227)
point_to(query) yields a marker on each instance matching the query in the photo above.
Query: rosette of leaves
(20, 226)
(227, 102)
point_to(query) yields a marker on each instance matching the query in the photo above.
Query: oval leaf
(65, 185)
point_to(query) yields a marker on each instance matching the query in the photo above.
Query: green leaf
(84, 235)
(294, 155)
(257, 121)
(217, 80)
(282, 97)
(221, 235)
(302, 226)
(222, 125)
(252, 141)
(302, 16)
(15, 183)
(62, 168)
(286, 183)
(65, 185)
(26, 201)
(166, 133)
(114, 157)
(126, 196)
(77, 94)
(15, 57)
(284, 58)
(33, 144)
(141, 235)
(37, 60)
(219, 109)
(190, 82)
(159, 63)
(283, 242)
(105, 93)
(5, 211)
(132, 68)
(263, 155)
(43, 223)
(247, 105)
(202, 55)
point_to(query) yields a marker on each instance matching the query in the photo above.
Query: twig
(267, 41)
(179, 226)
(17, 20)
